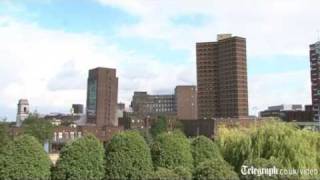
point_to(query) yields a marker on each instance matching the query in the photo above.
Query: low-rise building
(289, 113)
(144, 105)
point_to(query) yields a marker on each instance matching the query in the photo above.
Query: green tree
(159, 126)
(285, 142)
(83, 158)
(314, 142)
(215, 169)
(147, 136)
(183, 173)
(4, 135)
(235, 145)
(293, 148)
(163, 174)
(128, 156)
(38, 127)
(179, 173)
(203, 149)
(24, 158)
(171, 150)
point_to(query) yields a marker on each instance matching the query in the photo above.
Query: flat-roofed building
(102, 96)
(144, 105)
(222, 78)
(186, 102)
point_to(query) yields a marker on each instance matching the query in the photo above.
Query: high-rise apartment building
(315, 78)
(102, 96)
(186, 102)
(222, 78)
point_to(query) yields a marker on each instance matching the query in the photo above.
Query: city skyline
(46, 51)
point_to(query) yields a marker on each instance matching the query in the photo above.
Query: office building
(315, 78)
(286, 107)
(145, 105)
(186, 102)
(289, 113)
(77, 108)
(102, 96)
(222, 78)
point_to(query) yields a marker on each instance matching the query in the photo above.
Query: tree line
(162, 154)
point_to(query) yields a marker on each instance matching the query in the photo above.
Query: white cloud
(34, 60)
(270, 26)
(279, 88)
(50, 67)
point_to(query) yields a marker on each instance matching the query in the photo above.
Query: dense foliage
(38, 128)
(292, 147)
(159, 126)
(83, 158)
(215, 169)
(183, 173)
(203, 149)
(235, 145)
(180, 173)
(4, 135)
(128, 156)
(163, 174)
(24, 158)
(171, 150)
(266, 144)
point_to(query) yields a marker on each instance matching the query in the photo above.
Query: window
(60, 135)
(54, 136)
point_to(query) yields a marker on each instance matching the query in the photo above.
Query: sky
(48, 46)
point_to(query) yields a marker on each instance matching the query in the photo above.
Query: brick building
(222, 78)
(64, 134)
(289, 113)
(186, 102)
(102, 96)
(144, 105)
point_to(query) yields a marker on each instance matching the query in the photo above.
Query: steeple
(23, 111)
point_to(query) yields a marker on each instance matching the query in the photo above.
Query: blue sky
(47, 47)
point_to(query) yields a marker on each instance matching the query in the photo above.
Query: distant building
(145, 105)
(121, 106)
(315, 78)
(222, 78)
(286, 107)
(197, 127)
(131, 120)
(289, 113)
(120, 110)
(62, 119)
(63, 135)
(77, 108)
(102, 96)
(23, 111)
(186, 102)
